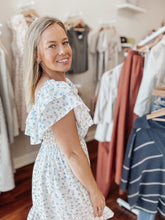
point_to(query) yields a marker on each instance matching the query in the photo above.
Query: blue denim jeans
(145, 215)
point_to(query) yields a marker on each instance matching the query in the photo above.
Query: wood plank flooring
(15, 204)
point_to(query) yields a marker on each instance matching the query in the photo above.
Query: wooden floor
(15, 204)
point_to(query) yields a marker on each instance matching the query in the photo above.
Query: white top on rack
(152, 36)
(130, 7)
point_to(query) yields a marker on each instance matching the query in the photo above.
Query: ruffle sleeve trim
(54, 100)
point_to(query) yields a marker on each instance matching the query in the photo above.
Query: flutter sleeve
(54, 100)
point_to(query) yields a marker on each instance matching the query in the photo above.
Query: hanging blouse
(108, 46)
(18, 26)
(7, 95)
(154, 74)
(6, 169)
(105, 106)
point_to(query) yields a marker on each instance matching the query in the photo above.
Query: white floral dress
(56, 193)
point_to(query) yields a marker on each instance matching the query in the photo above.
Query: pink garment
(110, 165)
(102, 157)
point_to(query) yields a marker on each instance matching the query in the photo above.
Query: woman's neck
(55, 76)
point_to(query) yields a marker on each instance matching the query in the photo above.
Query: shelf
(131, 7)
(126, 45)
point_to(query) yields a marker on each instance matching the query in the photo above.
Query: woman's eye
(65, 42)
(52, 46)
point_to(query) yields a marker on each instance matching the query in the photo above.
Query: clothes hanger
(26, 8)
(77, 23)
(159, 91)
(157, 113)
(107, 24)
(160, 87)
(30, 13)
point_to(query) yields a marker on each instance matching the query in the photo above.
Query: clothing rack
(152, 36)
(149, 38)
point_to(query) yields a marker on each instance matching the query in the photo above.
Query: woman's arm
(66, 135)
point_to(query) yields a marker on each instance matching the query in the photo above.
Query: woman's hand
(98, 202)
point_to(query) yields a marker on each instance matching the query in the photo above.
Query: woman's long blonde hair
(32, 69)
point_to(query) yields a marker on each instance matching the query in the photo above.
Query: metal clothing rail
(152, 36)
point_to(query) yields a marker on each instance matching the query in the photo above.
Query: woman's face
(55, 53)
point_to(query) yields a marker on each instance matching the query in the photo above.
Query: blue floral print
(56, 193)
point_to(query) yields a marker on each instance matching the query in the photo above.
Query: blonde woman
(63, 187)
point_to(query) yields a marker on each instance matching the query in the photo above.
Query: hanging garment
(105, 106)
(6, 169)
(108, 46)
(79, 44)
(144, 166)
(154, 73)
(129, 82)
(7, 96)
(93, 37)
(18, 26)
(57, 193)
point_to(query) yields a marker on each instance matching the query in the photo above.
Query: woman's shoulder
(50, 88)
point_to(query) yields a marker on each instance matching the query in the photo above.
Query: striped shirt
(143, 172)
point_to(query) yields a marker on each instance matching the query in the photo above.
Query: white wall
(129, 24)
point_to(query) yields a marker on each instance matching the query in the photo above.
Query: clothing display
(117, 77)
(105, 106)
(104, 46)
(79, 44)
(93, 37)
(6, 169)
(129, 82)
(8, 126)
(7, 96)
(144, 166)
(153, 75)
(18, 26)
(60, 195)
(108, 46)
